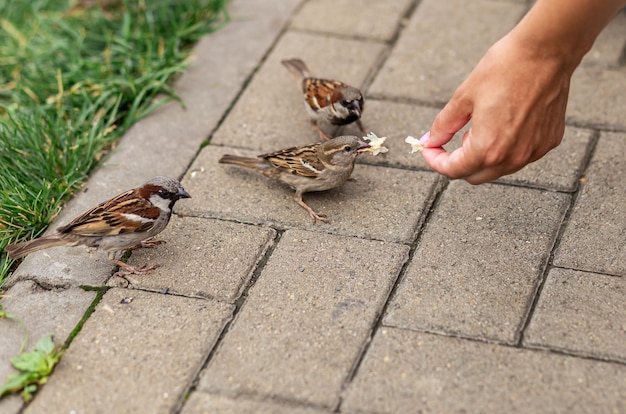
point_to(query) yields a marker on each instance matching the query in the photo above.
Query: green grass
(71, 84)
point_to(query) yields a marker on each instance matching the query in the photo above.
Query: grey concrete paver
(608, 48)
(380, 203)
(596, 98)
(594, 239)
(270, 114)
(205, 258)
(561, 168)
(375, 20)
(42, 312)
(407, 371)
(440, 46)
(478, 262)
(306, 318)
(137, 353)
(581, 312)
(205, 403)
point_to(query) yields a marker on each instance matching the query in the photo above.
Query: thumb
(454, 116)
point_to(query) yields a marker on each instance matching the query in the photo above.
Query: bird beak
(183, 194)
(356, 108)
(363, 147)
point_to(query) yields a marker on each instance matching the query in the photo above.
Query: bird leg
(361, 127)
(315, 216)
(323, 135)
(131, 270)
(148, 243)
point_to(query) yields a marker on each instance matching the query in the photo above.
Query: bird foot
(126, 269)
(148, 244)
(323, 135)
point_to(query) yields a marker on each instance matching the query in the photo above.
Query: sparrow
(125, 222)
(329, 100)
(315, 167)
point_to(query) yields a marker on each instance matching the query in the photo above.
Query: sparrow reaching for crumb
(122, 223)
(315, 167)
(329, 100)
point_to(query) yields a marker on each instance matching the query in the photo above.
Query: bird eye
(347, 148)
(345, 102)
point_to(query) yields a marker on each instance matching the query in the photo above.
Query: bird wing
(126, 213)
(318, 92)
(301, 161)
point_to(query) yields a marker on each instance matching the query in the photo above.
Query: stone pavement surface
(420, 295)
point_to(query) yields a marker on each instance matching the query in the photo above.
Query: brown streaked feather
(291, 160)
(18, 250)
(108, 218)
(318, 92)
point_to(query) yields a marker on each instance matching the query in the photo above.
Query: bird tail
(297, 67)
(248, 162)
(18, 250)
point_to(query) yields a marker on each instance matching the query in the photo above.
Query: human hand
(516, 99)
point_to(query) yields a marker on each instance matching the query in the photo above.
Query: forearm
(565, 29)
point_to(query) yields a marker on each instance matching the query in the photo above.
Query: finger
(454, 116)
(459, 163)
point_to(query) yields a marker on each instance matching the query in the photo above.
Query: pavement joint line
(244, 86)
(88, 312)
(256, 397)
(592, 273)
(280, 228)
(593, 126)
(403, 100)
(538, 289)
(541, 280)
(440, 188)
(238, 305)
(49, 287)
(534, 348)
(386, 52)
(593, 144)
(358, 38)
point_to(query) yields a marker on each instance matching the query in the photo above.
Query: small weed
(34, 367)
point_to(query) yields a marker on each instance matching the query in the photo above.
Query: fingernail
(424, 139)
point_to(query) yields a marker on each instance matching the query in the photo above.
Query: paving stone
(426, 63)
(561, 168)
(306, 319)
(596, 98)
(270, 114)
(43, 312)
(381, 203)
(374, 20)
(580, 312)
(201, 402)
(137, 353)
(205, 258)
(477, 264)
(594, 236)
(10, 404)
(406, 371)
(609, 45)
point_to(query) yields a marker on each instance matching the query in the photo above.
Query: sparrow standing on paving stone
(329, 100)
(315, 167)
(122, 223)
